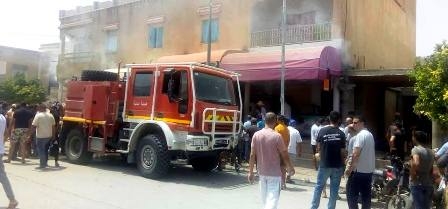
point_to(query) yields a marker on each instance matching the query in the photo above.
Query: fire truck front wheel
(76, 147)
(152, 157)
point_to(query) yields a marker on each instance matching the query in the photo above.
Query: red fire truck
(156, 115)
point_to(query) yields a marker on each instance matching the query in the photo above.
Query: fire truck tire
(152, 157)
(96, 75)
(76, 147)
(204, 163)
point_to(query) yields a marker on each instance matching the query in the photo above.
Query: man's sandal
(12, 204)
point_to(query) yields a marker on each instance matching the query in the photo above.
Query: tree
(18, 90)
(431, 85)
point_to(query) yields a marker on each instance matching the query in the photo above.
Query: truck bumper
(205, 143)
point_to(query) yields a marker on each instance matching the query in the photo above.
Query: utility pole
(282, 83)
(209, 34)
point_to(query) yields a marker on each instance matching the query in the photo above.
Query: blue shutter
(159, 43)
(215, 30)
(112, 41)
(204, 31)
(152, 37)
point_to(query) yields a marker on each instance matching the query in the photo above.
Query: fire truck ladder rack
(191, 64)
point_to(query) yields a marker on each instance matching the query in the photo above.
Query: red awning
(315, 63)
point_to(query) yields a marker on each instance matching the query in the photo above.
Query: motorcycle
(385, 181)
(402, 199)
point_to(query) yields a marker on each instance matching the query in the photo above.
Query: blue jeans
(335, 175)
(359, 183)
(422, 196)
(42, 151)
(247, 150)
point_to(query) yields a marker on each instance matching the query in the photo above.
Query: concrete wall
(182, 23)
(378, 34)
(34, 64)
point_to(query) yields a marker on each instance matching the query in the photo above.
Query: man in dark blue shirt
(331, 147)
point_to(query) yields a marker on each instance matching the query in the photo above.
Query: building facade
(375, 40)
(32, 64)
(51, 52)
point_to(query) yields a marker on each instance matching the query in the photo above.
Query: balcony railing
(78, 57)
(294, 34)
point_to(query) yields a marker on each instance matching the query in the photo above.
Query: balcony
(71, 64)
(294, 34)
(78, 57)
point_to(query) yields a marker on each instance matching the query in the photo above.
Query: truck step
(121, 151)
(128, 129)
(124, 140)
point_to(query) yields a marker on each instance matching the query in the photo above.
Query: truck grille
(220, 127)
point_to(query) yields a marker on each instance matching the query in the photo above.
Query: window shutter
(159, 43)
(205, 31)
(215, 30)
(152, 37)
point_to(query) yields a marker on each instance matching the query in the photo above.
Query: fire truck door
(139, 103)
(173, 105)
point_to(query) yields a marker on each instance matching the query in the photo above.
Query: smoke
(267, 14)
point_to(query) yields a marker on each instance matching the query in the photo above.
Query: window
(18, 69)
(142, 84)
(213, 89)
(214, 29)
(155, 37)
(178, 82)
(111, 41)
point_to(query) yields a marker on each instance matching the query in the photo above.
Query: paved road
(108, 183)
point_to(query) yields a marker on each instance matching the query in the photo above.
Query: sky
(29, 23)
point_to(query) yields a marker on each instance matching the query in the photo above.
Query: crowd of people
(340, 150)
(270, 145)
(30, 130)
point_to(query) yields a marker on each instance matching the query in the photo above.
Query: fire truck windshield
(214, 89)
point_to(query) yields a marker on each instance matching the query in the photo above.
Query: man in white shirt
(360, 169)
(3, 178)
(295, 144)
(44, 125)
(314, 132)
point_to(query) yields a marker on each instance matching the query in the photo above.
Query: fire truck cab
(157, 114)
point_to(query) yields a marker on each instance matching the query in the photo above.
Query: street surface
(108, 183)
